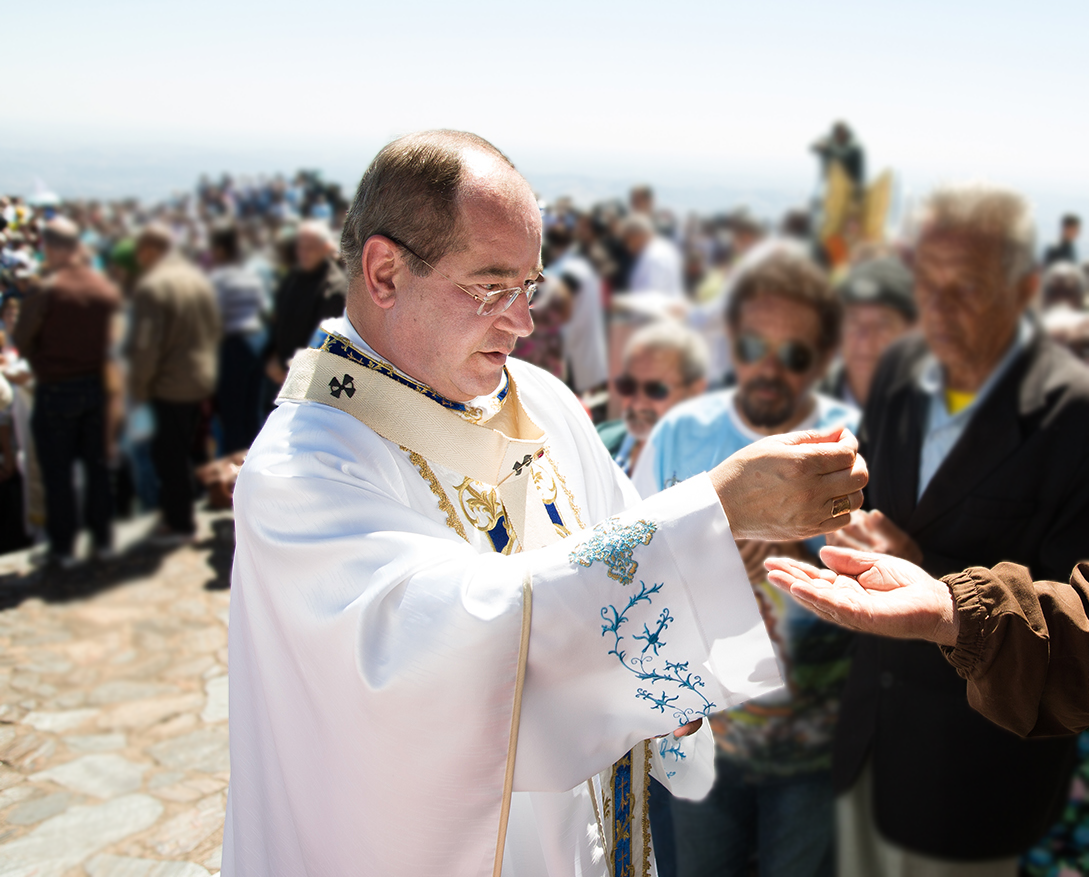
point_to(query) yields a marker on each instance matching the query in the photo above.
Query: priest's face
(438, 335)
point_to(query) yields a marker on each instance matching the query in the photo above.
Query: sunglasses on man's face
(794, 356)
(626, 385)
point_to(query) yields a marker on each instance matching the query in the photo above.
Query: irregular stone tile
(103, 776)
(205, 750)
(124, 690)
(35, 811)
(11, 712)
(142, 713)
(188, 790)
(161, 780)
(68, 700)
(7, 734)
(107, 616)
(9, 777)
(174, 727)
(215, 861)
(96, 650)
(191, 668)
(206, 639)
(126, 866)
(190, 608)
(16, 794)
(64, 841)
(185, 831)
(46, 662)
(95, 742)
(59, 721)
(29, 751)
(215, 710)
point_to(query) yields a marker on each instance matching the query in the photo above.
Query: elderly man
(311, 292)
(656, 262)
(664, 363)
(975, 433)
(172, 351)
(773, 790)
(64, 332)
(416, 592)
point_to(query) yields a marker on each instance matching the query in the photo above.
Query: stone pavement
(113, 710)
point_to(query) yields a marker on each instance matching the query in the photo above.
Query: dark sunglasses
(626, 385)
(795, 356)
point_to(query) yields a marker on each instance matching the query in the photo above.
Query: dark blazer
(947, 782)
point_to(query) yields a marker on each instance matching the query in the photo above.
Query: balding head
(414, 191)
(61, 233)
(60, 241)
(154, 241)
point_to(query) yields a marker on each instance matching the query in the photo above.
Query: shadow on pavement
(55, 585)
(222, 555)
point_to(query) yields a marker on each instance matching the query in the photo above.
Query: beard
(766, 412)
(640, 422)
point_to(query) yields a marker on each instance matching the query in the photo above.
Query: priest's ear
(381, 268)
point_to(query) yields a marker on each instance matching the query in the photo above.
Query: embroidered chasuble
(389, 541)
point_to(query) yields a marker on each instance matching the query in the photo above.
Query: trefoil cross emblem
(346, 386)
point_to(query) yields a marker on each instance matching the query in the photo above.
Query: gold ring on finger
(841, 505)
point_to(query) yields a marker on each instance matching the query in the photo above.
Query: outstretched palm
(872, 593)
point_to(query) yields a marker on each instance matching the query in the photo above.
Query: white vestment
(374, 641)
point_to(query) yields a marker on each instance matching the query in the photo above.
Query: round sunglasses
(626, 385)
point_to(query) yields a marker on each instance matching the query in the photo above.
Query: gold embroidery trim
(566, 490)
(452, 520)
(647, 852)
(597, 816)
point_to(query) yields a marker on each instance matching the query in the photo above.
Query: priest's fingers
(821, 455)
(689, 729)
(846, 480)
(837, 434)
(834, 521)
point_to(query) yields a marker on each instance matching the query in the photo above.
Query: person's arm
(145, 339)
(29, 324)
(1022, 646)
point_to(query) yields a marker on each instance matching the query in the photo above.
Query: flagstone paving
(113, 711)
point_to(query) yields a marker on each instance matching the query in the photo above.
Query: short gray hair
(409, 193)
(984, 210)
(668, 334)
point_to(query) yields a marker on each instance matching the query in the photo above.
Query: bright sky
(939, 90)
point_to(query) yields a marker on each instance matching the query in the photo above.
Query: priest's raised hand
(792, 486)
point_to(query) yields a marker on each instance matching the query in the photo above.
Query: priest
(459, 643)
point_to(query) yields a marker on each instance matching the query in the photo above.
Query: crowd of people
(147, 344)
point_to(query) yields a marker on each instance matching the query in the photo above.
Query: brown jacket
(1023, 646)
(174, 340)
(64, 330)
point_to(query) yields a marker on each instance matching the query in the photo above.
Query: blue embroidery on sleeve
(674, 675)
(613, 543)
(669, 745)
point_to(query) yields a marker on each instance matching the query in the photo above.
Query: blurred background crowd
(143, 345)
